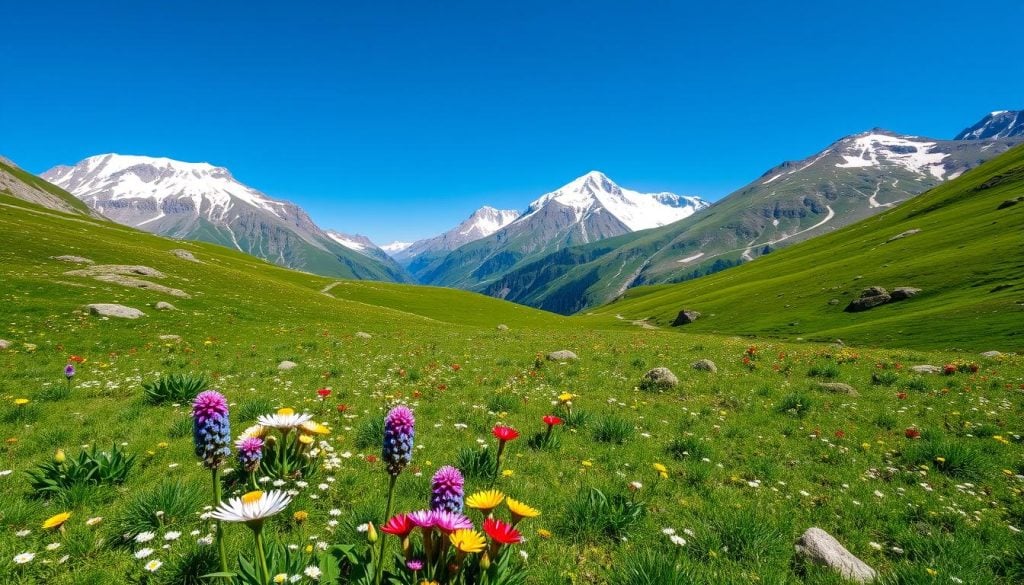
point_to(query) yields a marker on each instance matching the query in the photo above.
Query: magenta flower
(250, 452)
(446, 490)
(399, 431)
(422, 518)
(211, 429)
(449, 522)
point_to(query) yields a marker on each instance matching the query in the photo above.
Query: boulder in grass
(838, 388)
(992, 354)
(925, 369)
(4, 344)
(114, 310)
(705, 366)
(870, 297)
(170, 337)
(562, 355)
(363, 335)
(286, 365)
(659, 379)
(901, 293)
(185, 255)
(73, 259)
(820, 547)
(685, 317)
(164, 306)
(502, 327)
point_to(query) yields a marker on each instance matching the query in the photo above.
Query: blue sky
(398, 119)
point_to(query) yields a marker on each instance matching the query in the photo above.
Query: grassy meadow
(919, 475)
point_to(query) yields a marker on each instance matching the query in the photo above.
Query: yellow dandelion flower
(306, 439)
(507, 473)
(588, 463)
(21, 401)
(56, 521)
(520, 510)
(543, 533)
(300, 516)
(565, 397)
(660, 468)
(285, 411)
(485, 501)
(467, 541)
(314, 428)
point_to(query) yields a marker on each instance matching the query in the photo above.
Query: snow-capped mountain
(1001, 124)
(590, 208)
(482, 223)
(395, 247)
(361, 244)
(204, 202)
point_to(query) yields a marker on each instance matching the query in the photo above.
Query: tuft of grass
(688, 449)
(795, 404)
(503, 402)
(475, 463)
(370, 433)
(826, 369)
(175, 388)
(253, 408)
(168, 504)
(954, 458)
(650, 567)
(593, 514)
(613, 429)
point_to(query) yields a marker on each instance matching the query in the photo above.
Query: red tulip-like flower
(912, 433)
(323, 393)
(504, 433)
(399, 525)
(342, 408)
(456, 367)
(840, 434)
(552, 420)
(76, 358)
(901, 395)
(502, 532)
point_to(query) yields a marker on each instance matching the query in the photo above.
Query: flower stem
(387, 514)
(262, 556)
(219, 529)
(497, 462)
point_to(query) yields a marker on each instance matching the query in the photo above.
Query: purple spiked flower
(449, 522)
(446, 490)
(250, 452)
(211, 429)
(414, 564)
(69, 371)
(398, 439)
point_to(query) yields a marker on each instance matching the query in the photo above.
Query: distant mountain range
(200, 201)
(580, 245)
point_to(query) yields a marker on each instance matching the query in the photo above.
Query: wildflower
(69, 371)
(502, 532)
(59, 456)
(172, 535)
(211, 431)
(912, 433)
(467, 541)
(323, 393)
(551, 420)
(250, 452)
(901, 395)
(399, 526)
(342, 408)
(448, 522)
(21, 401)
(312, 571)
(635, 486)
(399, 431)
(252, 508)
(505, 433)
(280, 577)
(24, 557)
(565, 397)
(143, 553)
(485, 501)
(677, 540)
(519, 510)
(314, 428)
(422, 518)
(543, 533)
(144, 537)
(507, 473)
(300, 516)
(284, 419)
(56, 521)
(446, 489)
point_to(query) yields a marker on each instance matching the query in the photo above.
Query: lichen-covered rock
(820, 547)
(114, 310)
(659, 379)
(870, 297)
(901, 293)
(164, 306)
(838, 388)
(562, 355)
(363, 335)
(705, 365)
(286, 365)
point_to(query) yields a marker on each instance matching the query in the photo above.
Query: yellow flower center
(286, 411)
(252, 497)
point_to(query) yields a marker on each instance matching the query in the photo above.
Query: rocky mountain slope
(1001, 124)
(199, 201)
(27, 187)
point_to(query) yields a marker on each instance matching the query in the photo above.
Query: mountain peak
(998, 124)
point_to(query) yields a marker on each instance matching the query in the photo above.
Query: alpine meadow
(409, 357)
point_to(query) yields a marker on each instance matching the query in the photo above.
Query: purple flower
(414, 564)
(398, 439)
(422, 518)
(446, 490)
(250, 452)
(211, 429)
(449, 522)
(69, 371)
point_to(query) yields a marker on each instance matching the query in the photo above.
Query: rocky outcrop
(705, 365)
(72, 259)
(185, 255)
(869, 298)
(685, 317)
(901, 293)
(820, 547)
(562, 355)
(659, 379)
(127, 276)
(837, 388)
(286, 365)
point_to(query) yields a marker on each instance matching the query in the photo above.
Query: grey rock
(286, 365)
(820, 547)
(502, 327)
(833, 301)
(363, 335)
(4, 344)
(114, 310)
(1010, 203)
(904, 292)
(561, 355)
(838, 388)
(991, 354)
(73, 259)
(903, 235)
(705, 365)
(870, 297)
(126, 275)
(660, 379)
(925, 369)
(164, 306)
(170, 338)
(185, 255)
(686, 317)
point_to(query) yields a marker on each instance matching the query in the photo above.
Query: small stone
(164, 306)
(820, 547)
(685, 317)
(903, 235)
(833, 301)
(502, 327)
(114, 310)
(838, 388)
(562, 355)
(991, 354)
(904, 292)
(170, 338)
(4, 344)
(659, 379)
(705, 365)
(363, 335)
(286, 365)
(72, 259)
(184, 255)
(925, 369)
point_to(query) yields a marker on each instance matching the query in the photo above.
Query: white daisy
(24, 558)
(253, 507)
(143, 553)
(172, 535)
(312, 572)
(284, 420)
(153, 565)
(144, 536)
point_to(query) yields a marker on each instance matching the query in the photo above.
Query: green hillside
(46, 192)
(968, 259)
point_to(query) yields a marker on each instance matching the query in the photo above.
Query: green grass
(749, 467)
(968, 259)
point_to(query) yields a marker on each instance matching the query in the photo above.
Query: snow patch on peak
(356, 242)
(874, 149)
(395, 247)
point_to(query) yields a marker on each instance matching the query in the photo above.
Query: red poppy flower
(504, 433)
(76, 358)
(371, 458)
(949, 369)
(552, 420)
(342, 407)
(456, 367)
(323, 392)
(399, 525)
(502, 532)
(840, 434)
(912, 433)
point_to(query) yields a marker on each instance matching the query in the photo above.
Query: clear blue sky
(397, 119)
